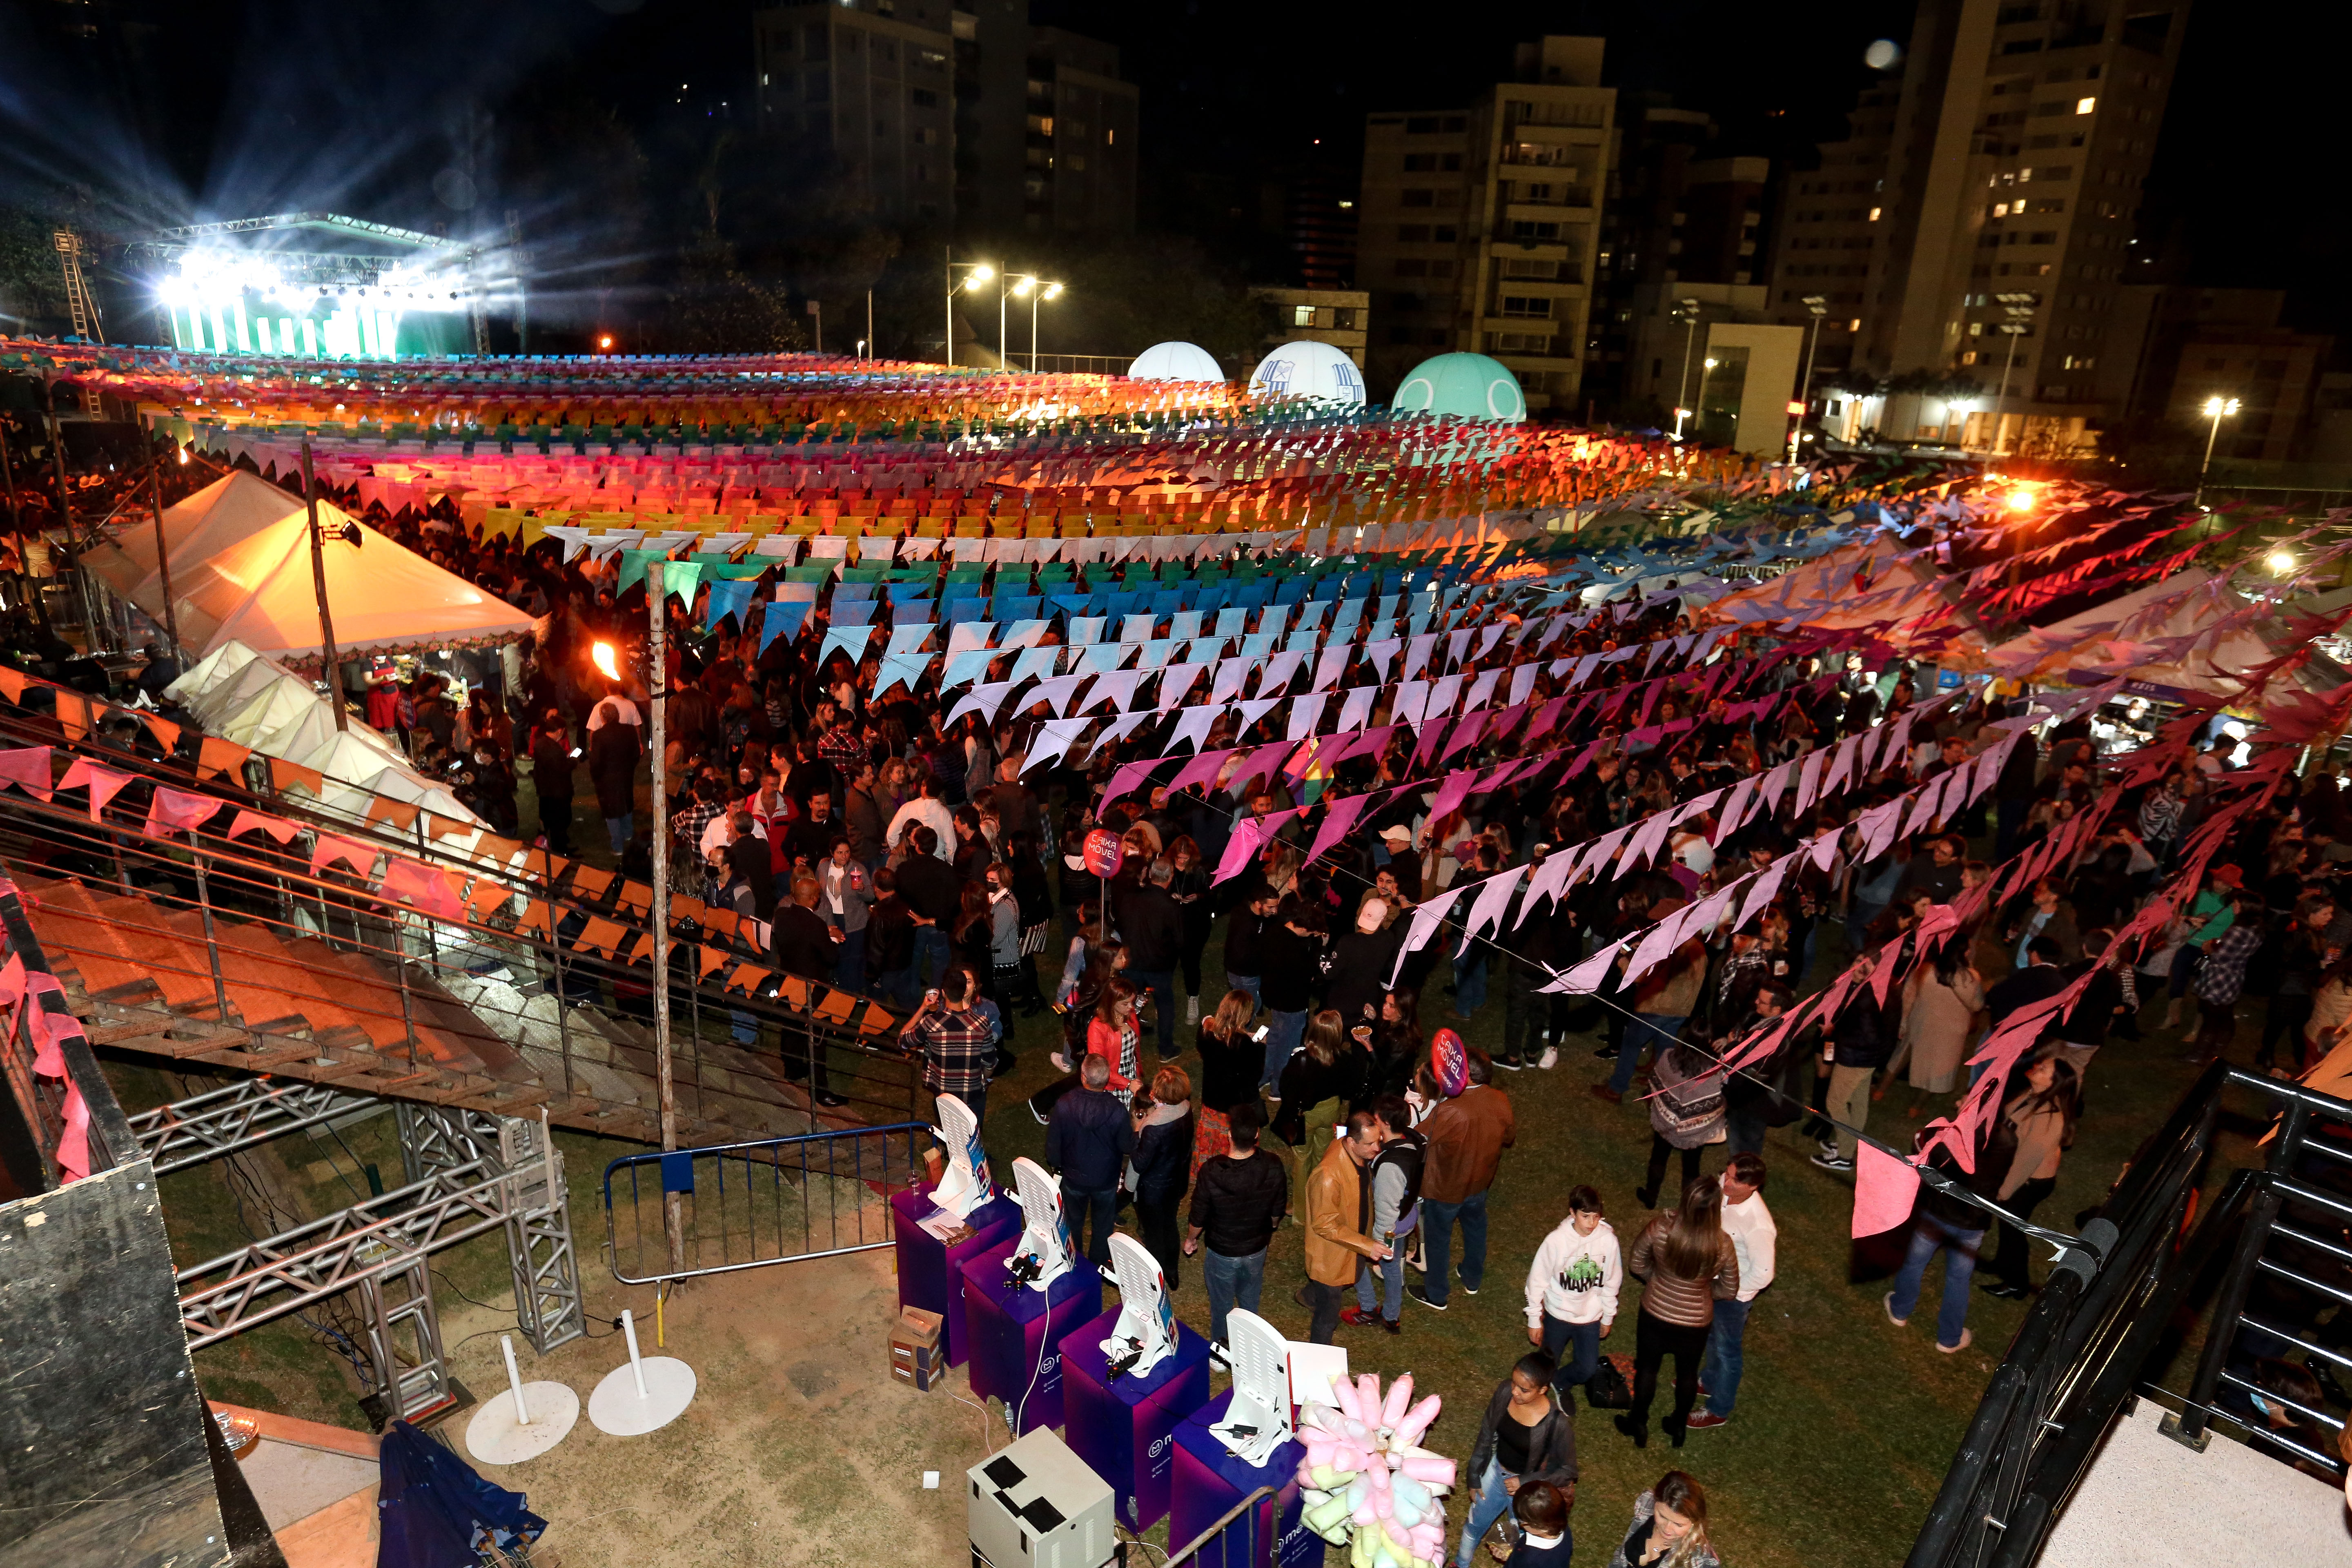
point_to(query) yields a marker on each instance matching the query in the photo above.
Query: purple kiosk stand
(1209, 1481)
(930, 1272)
(1016, 1335)
(1125, 1428)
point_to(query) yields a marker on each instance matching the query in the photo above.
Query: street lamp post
(1686, 311)
(2216, 409)
(1819, 304)
(1036, 290)
(979, 273)
(2019, 309)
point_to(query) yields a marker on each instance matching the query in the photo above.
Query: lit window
(2085, 105)
(1302, 315)
(1873, 214)
(2000, 209)
(1854, 325)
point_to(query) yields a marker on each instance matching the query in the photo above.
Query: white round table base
(615, 1407)
(495, 1437)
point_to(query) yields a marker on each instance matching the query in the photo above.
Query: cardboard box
(915, 1357)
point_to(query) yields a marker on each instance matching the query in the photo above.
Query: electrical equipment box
(1036, 1505)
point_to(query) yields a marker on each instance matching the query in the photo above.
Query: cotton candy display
(1365, 1484)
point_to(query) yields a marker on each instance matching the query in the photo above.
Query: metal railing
(1256, 1541)
(2110, 1308)
(769, 1200)
(439, 976)
(39, 1099)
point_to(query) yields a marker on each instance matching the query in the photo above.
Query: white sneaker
(1061, 1063)
(1550, 1059)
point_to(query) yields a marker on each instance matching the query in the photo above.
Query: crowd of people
(899, 853)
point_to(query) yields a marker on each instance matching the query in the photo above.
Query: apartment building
(1341, 317)
(1479, 228)
(970, 119)
(1991, 185)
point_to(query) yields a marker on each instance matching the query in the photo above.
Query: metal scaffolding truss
(475, 1173)
(224, 1121)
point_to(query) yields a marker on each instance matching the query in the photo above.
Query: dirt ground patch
(799, 1448)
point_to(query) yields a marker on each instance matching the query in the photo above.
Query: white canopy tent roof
(241, 571)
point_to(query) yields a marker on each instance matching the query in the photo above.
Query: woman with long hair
(2045, 1104)
(1939, 1006)
(1164, 1162)
(1396, 1041)
(974, 933)
(1323, 1081)
(1669, 1528)
(1112, 1034)
(1231, 1061)
(1687, 1264)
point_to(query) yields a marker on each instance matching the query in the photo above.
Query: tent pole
(334, 670)
(657, 685)
(163, 553)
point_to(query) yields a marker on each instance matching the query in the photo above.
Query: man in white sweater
(1755, 1240)
(1572, 1290)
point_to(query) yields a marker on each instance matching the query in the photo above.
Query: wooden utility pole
(657, 683)
(319, 581)
(163, 556)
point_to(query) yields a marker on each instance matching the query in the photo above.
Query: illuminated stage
(353, 289)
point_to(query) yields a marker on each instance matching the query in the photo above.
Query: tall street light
(2216, 409)
(2018, 309)
(975, 274)
(1036, 290)
(1686, 311)
(1819, 304)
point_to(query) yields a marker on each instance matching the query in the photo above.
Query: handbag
(1609, 1388)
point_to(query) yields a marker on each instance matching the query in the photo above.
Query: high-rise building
(1991, 186)
(1674, 217)
(1477, 227)
(972, 119)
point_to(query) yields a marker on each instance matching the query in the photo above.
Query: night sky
(218, 108)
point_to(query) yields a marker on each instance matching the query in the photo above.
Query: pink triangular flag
(1885, 1189)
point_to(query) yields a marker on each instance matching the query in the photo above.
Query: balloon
(1367, 1399)
(1103, 853)
(1449, 1063)
(1400, 1398)
(1345, 1393)
(1428, 1468)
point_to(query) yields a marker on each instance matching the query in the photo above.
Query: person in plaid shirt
(837, 742)
(957, 1039)
(2222, 976)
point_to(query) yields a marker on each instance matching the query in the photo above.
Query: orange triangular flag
(217, 756)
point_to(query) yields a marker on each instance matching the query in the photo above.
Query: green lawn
(1845, 1423)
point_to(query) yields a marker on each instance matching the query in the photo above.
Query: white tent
(241, 570)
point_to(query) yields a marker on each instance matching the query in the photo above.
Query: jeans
(2008, 1258)
(1325, 1300)
(931, 947)
(1470, 985)
(1849, 1106)
(1960, 1248)
(1161, 983)
(1584, 1338)
(900, 987)
(1657, 1030)
(1659, 1150)
(1655, 1339)
(1437, 1225)
(1283, 1034)
(1488, 1504)
(1388, 1298)
(1244, 983)
(1231, 1282)
(1156, 1218)
(1721, 1370)
(1525, 1010)
(1744, 1128)
(743, 1027)
(1077, 1204)
(850, 973)
(555, 821)
(620, 829)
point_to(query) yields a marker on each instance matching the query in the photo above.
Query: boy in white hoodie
(1572, 1290)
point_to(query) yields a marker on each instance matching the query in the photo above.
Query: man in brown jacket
(1467, 1135)
(1335, 1236)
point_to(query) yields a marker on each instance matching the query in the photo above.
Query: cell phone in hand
(1263, 1031)
(931, 998)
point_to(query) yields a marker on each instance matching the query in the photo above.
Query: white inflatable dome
(1175, 362)
(1305, 368)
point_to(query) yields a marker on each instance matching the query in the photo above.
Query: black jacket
(1865, 1033)
(612, 767)
(801, 943)
(1236, 1204)
(1088, 1140)
(1551, 1442)
(1361, 964)
(930, 889)
(2029, 985)
(551, 768)
(1288, 965)
(1164, 1161)
(1153, 925)
(1229, 1068)
(1243, 934)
